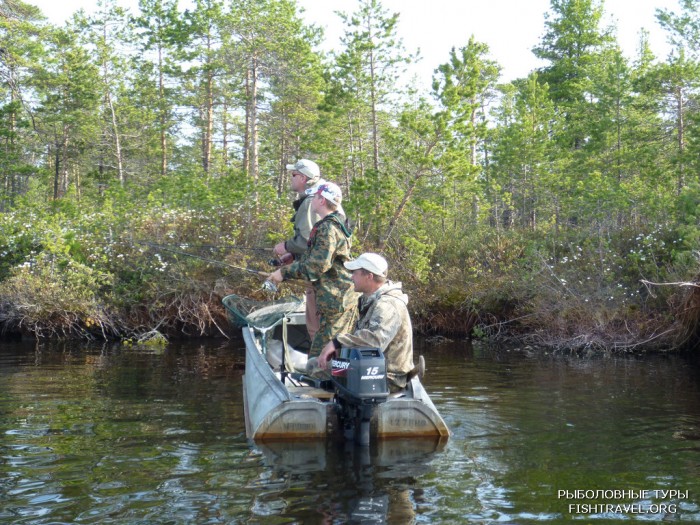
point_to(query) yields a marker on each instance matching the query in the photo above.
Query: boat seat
(275, 349)
(310, 392)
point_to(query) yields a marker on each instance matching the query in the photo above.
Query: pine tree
(203, 51)
(161, 34)
(271, 44)
(107, 34)
(465, 86)
(68, 114)
(20, 50)
(572, 45)
(369, 69)
(680, 80)
(575, 47)
(521, 173)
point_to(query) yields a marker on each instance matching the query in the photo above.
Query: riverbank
(121, 271)
(550, 320)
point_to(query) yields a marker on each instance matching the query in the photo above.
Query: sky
(511, 28)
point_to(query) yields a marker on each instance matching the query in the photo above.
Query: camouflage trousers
(335, 317)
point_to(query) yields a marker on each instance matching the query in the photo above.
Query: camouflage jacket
(385, 323)
(322, 264)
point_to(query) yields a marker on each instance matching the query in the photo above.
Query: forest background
(560, 209)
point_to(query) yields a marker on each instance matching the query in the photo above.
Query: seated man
(384, 320)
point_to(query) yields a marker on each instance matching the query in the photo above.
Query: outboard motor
(360, 383)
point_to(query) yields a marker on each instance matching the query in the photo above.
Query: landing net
(260, 314)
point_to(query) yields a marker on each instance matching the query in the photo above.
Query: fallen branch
(680, 283)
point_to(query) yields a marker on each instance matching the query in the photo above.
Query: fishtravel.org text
(615, 501)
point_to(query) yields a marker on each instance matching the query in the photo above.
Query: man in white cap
(323, 266)
(305, 175)
(384, 320)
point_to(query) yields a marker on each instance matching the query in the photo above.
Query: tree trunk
(375, 125)
(163, 116)
(254, 124)
(56, 172)
(64, 164)
(208, 123)
(113, 116)
(117, 141)
(246, 131)
(224, 143)
(284, 146)
(399, 211)
(681, 139)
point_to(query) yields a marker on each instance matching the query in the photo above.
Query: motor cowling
(360, 383)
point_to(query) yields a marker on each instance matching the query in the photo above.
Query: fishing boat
(283, 402)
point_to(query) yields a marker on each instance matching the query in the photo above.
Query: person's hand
(275, 277)
(325, 356)
(279, 250)
(286, 258)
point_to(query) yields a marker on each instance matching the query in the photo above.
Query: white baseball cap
(372, 262)
(308, 167)
(329, 190)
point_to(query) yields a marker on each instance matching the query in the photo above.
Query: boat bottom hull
(307, 417)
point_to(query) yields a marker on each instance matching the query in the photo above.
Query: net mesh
(262, 314)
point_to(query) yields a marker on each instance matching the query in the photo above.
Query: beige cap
(308, 167)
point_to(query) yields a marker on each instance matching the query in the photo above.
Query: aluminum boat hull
(292, 411)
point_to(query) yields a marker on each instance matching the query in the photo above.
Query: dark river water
(129, 435)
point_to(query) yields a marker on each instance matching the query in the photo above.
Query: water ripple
(114, 436)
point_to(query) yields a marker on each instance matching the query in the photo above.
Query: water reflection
(114, 434)
(343, 483)
(532, 426)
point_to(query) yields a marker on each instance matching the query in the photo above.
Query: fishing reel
(270, 286)
(283, 260)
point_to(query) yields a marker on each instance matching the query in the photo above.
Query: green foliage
(373, 196)
(688, 211)
(52, 293)
(417, 254)
(75, 269)
(541, 202)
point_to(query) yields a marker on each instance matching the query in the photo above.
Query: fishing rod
(275, 261)
(208, 246)
(206, 259)
(268, 285)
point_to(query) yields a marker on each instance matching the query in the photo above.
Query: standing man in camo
(305, 175)
(322, 265)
